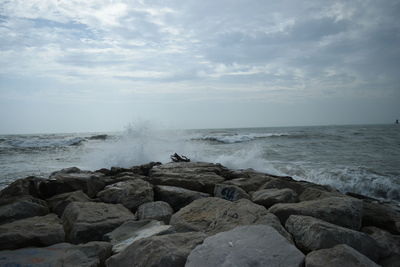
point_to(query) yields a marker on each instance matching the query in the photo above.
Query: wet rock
(389, 243)
(131, 231)
(343, 211)
(313, 234)
(22, 187)
(189, 167)
(296, 186)
(382, 216)
(89, 221)
(145, 168)
(158, 210)
(131, 193)
(230, 192)
(252, 182)
(252, 245)
(58, 203)
(17, 208)
(269, 197)
(314, 193)
(273, 221)
(35, 231)
(213, 215)
(338, 256)
(62, 254)
(177, 197)
(164, 250)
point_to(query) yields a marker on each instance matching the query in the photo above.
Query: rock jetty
(191, 214)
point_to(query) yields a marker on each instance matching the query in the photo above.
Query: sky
(86, 65)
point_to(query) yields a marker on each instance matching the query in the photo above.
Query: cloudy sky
(97, 65)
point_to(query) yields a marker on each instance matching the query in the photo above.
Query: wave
(41, 142)
(237, 138)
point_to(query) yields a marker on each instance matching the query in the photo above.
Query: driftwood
(176, 158)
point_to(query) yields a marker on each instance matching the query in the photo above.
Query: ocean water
(362, 159)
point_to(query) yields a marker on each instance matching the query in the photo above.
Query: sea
(363, 159)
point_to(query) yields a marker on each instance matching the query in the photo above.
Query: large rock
(22, 187)
(62, 254)
(177, 197)
(230, 192)
(312, 193)
(58, 203)
(35, 231)
(162, 251)
(130, 193)
(17, 208)
(273, 221)
(213, 215)
(252, 245)
(190, 167)
(269, 197)
(338, 256)
(251, 182)
(158, 210)
(389, 243)
(313, 234)
(382, 216)
(343, 211)
(89, 221)
(297, 186)
(131, 231)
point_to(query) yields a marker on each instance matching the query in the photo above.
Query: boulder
(164, 250)
(89, 221)
(230, 192)
(144, 169)
(252, 245)
(158, 210)
(22, 187)
(252, 181)
(130, 193)
(273, 221)
(189, 168)
(35, 231)
(343, 211)
(338, 256)
(313, 234)
(391, 261)
(314, 193)
(177, 197)
(131, 231)
(389, 243)
(58, 203)
(17, 208)
(296, 186)
(382, 216)
(270, 197)
(62, 254)
(212, 215)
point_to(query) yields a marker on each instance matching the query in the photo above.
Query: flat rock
(230, 192)
(212, 215)
(158, 210)
(21, 207)
(35, 231)
(58, 203)
(313, 234)
(164, 250)
(89, 221)
(130, 193)
(273, 221)
(252, 245)
(132, 231)
(269, 197)
(338, 256)
(382, 216)
(343, 211)
(62, 254)
(189, 167)
(177, 197)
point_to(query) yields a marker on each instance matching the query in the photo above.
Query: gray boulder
(35, 231)
(313, 234)
(62, 254)
(252, 245)
(212, 215)
(389, 243)
(158, 251)
(338, 256)
(89, 221)
(273, 221)
(251, 182)
(17, 208)
(312, 193)
(177, 197)
(130, 193)
(58, 203)
(230, 192)
(269, 197)
(190, 167)
(158, 210)
(382, 216)
(132, 231)
(22, 187)
(343, 211)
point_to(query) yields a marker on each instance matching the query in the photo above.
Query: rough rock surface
(62, 254)
(89, 221)
(389, 243)
(165, 250)
(313, 234)
(131, 193)
(273, 221)
(315, 193)
(252, 245)
(17, 208)
(177, 197)
(381, 216)
(343, 211)
(230, 192)
(251, 182)
(35, 231)
(22, 187)
(58, 203)
(338, 256)
(269, 197)
(158, 210)
(213, 215)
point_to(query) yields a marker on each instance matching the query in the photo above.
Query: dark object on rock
(98, 137)
(158, 210)
(177, 197)
(17, 208)
(230, 192)
(176, 158)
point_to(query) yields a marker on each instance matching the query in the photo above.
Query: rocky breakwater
(191, 214)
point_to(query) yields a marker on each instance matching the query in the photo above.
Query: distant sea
(362, 159)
